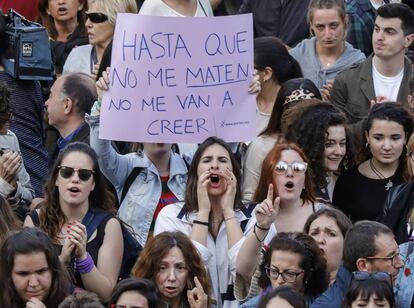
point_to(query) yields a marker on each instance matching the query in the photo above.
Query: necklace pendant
(389, 185)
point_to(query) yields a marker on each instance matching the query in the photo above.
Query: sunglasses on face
(67, 172)
(362, 276)
(297, 167)
(96, 18)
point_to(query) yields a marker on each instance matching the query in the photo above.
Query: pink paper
(180, 80)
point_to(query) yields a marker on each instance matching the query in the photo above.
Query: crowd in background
(316, 211)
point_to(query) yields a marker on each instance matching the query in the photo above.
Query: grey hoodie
(305, 54)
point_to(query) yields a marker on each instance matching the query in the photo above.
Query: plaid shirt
(361, 24)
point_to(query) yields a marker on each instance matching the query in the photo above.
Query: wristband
(255, 234)
(85, 266)
(198, 222)
(261, 228)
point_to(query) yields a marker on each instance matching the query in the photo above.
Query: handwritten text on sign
(180, 80)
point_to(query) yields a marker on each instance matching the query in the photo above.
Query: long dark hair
(191, 201)
(49, 23)
(269, 51)
(51, 215)
(29, 241)
(8, 220)
(310, 131)
(394, 112)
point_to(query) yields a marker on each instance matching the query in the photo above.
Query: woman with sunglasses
(286, 194)
(290, 93)
(386, 128)
(370, 290)
(65, 23)
(100, 25)
(75, 194)
(292, 259)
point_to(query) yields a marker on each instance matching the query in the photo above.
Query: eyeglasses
(297, 167)
(124, 306)
(97, 18)
(287, 275)
(67, 172)
(394, 258)
(383, 276)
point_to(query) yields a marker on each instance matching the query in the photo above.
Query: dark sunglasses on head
(67, 172)
(97, 18)
(362, 276)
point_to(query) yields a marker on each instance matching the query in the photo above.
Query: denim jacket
(404, 285)
(137, 208)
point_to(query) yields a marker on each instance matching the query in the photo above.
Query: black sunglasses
(97, 18)
(362, 276)
(67, 172)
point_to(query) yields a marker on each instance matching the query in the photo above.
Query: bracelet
(229, 218)
(261, 228)
(198, 222)
(85, 266)
(257, 237)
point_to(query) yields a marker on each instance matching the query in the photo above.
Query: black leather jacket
(397, 208)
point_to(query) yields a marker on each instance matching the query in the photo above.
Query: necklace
(389, 184)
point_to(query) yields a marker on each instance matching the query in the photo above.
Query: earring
(367, 147)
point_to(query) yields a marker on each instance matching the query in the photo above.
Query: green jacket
(353, 89)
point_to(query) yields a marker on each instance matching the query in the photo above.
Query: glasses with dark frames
(83, 174)
(97, 18)
(287, 275)
(394, 258)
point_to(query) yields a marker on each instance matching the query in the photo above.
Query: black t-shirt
(360, 197)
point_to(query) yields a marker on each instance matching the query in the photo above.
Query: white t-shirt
(262, 119)
(160, 8)
(386, 86)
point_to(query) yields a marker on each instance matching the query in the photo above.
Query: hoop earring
(367, 147)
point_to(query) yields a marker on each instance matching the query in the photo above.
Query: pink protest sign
(180, 80)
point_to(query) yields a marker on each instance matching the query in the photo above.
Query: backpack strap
(34, 215)
(128, 182)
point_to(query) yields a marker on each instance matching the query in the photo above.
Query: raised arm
(266, 213)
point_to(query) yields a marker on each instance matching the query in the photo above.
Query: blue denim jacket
(137, 208)
(404, 285)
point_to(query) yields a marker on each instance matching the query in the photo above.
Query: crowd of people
(316, 211)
